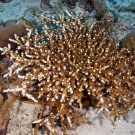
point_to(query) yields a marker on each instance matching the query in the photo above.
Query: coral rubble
(67, 60)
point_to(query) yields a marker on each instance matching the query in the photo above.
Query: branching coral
(66, 60)
(8, 30)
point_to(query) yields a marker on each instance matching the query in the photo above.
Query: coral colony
(68, 61)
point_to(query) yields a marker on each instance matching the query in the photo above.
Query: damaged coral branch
(66, 60)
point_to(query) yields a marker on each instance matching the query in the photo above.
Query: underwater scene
(67, 67)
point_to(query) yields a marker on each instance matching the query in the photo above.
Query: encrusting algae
(67, 60)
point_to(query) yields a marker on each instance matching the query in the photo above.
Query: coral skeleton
(67, 60)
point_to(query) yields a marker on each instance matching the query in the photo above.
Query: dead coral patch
(8, 30)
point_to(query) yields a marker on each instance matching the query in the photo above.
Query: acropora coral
(68, 61)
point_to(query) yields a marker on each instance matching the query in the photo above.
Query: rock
(45, 4)
(8, 30)
(69, 3)
(131, 7)
(1, 8)
(107, 16)
(87, 5)
(5, 1)
(129, 40)
(99, 5)
(31, 12)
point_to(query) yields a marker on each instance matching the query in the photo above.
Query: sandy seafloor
(23, 114)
